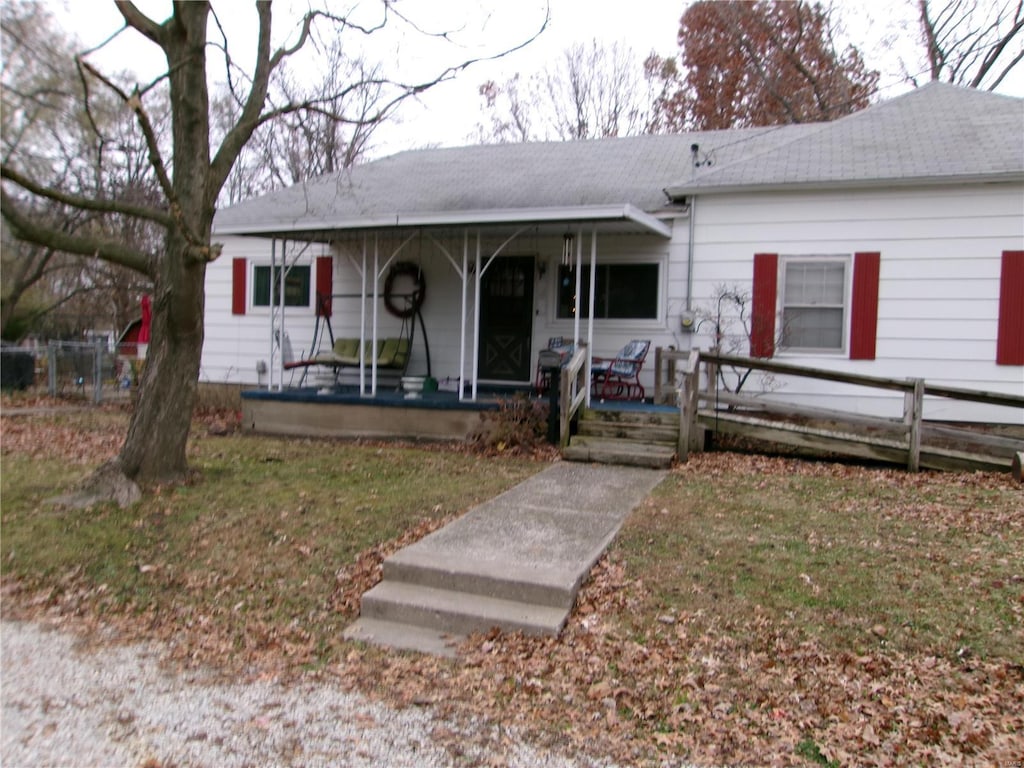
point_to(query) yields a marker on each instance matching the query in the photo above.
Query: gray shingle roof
(936, 132)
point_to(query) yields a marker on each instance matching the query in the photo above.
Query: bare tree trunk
(154, 448)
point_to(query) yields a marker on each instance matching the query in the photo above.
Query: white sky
(448, 114)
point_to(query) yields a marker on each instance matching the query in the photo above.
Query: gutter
(597, 213)
(844, 184)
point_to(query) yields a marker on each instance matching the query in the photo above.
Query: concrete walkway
(515, 562)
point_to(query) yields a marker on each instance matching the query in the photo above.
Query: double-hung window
(814, 303)
(296, 286)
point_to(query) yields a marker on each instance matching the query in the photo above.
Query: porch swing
(392, 353)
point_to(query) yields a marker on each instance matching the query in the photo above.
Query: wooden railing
(910, 440)
(572, 391)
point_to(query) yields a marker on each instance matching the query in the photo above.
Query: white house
(888, 243)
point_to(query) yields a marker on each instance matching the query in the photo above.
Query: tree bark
(154, 450)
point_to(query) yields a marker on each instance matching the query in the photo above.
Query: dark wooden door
(506, 319)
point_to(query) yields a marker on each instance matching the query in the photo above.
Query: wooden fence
(692, 379)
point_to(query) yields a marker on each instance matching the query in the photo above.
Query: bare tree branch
(25, 227)
(966, 41)
(137, 20)
(134, 102)
(83, 202)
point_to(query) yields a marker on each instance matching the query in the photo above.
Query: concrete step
(529, 583)
(457, 613)
(616, 451)
(406, 637)
(654, 433)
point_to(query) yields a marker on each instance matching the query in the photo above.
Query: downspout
(689, 254)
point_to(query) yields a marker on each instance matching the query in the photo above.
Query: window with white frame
(814, 303)
(623, 291)
(296, 286)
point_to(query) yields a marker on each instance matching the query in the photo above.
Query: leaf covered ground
(754, 610)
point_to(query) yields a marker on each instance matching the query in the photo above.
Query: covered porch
(475, 297)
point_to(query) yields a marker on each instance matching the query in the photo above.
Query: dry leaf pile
(735, 695)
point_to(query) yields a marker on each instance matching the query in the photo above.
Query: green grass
(254, 547)
(742, 585)
(856, 557)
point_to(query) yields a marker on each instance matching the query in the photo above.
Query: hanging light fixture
(567, 243)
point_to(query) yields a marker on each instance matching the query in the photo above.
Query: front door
(506, 319)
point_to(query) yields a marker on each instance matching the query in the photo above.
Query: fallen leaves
(664, 687)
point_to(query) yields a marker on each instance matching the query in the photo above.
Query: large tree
(975, 43)
(190, 172)
(768, 62)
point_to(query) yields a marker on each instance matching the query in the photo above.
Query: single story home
(888, 243)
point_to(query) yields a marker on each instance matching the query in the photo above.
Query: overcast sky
(449, 113)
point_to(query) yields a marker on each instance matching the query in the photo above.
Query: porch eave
(625, 215)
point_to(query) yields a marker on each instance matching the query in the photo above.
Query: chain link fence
(93, 370)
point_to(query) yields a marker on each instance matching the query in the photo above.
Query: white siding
(938, 293)
(235, 343)
(938, 286)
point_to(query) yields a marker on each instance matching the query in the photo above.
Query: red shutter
(324, 285)
(239, 267)
(864, 309)
(1010, 340)
(762, 324)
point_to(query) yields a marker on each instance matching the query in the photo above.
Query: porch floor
(389, 414)
(344, 412)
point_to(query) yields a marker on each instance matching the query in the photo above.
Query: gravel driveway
(115, 706)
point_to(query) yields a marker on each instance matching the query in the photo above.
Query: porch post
(462, 337)
(271, 369)
(280, 311)
(476, 318)
(376, 309)
(362, 320)
(579, 287)
(590, 314)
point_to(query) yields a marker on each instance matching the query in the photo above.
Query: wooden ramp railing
(572, 391)
(691, 378)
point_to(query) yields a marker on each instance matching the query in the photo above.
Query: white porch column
(465, 302)
(476, 318)
(590, 318)
(376, 310)
(272, 368)
(579, 286)
(362, 321)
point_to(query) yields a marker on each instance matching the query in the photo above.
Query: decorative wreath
(410, 303)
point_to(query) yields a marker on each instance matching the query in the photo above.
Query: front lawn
(754, 610)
